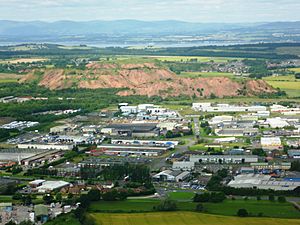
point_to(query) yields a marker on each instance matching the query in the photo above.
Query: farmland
(289, 84)
(184, 203)
(180, 218)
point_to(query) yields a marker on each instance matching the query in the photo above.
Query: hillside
(144, 79)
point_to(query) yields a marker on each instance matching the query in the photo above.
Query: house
(171, 176)
(183, 165)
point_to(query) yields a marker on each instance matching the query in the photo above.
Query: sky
(229, 11)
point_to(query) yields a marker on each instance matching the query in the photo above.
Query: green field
(254, 207)
(184, 203)
(183, 218)
(181, 195)
(289, 84)
(136, 205)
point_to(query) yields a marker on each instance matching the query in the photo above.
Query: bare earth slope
(147, 79)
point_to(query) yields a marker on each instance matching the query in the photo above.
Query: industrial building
(208, 107)
(224, 158)
(262, 182)
(46, 146)
(270, 142)
(171, 176)
(132, 130)
(133, 150)
(183, 165)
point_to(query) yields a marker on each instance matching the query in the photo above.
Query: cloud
(188, 10)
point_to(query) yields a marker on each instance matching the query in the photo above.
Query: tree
(48, 199)
(258, 198)
(58, 197)
(167, 205)
(242, 213)
(205, 197)
(94, 195)
(281, 199)
(271, 198)
(200, 208)
(27, 200)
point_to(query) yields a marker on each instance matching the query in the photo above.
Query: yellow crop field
(289, 84)
(183, 218)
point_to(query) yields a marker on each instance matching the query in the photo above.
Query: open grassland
(183, 218)
(289, 84)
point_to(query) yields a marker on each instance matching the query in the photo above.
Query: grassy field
(226, 208)
(254, 207)
(289, 84)
(181, 195)
(136, 205)
(183, 218)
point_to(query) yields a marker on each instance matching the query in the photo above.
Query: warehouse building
(183, 165)
(270, 142)
(224, 158)
(132, 130)
(46, 146)
(133, 150)
(171, 176)
(259, 181)
(49, 186)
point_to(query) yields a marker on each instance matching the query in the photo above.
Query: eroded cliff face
(147, 79)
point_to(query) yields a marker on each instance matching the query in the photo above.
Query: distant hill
(128, 27)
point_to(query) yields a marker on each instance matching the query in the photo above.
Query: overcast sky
(186, 10)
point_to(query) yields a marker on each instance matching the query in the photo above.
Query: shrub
(271, 198)
(242, 213)
(281, 199)
(200, 208)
